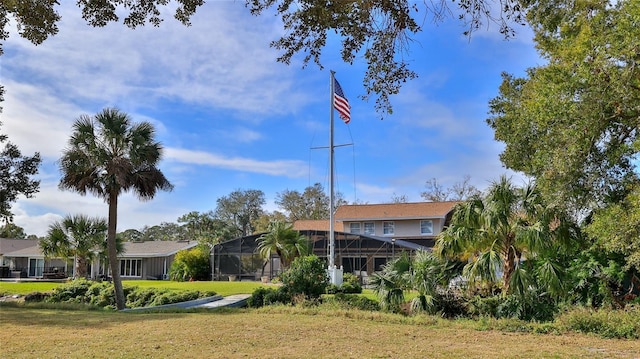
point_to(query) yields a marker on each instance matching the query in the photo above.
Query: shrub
(268, 296)
(351, 301)
(72, 292)
(191, 264)
(350, 285)
(450, 305)
(306, 275)
(608, 323)
(101, 294)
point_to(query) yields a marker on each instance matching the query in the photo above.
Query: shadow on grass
(82, 316)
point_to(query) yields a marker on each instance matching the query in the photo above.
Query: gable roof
(394, 211)
(150, 249)
(155, 248)
(12, 245)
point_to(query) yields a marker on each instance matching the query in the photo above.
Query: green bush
(306, 276)
(191, 264)
(533, 307)
(350, 285)
(72, 292)
(351, 301)
(101, 294)
(268, 296)
(607, 323)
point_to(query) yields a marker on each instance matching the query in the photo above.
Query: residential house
(139, 260)
(366, 237)
(22, 258)
(416, 222)
(147, 260)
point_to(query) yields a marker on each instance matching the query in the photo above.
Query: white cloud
(289, 168)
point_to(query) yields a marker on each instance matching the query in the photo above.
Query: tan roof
(394, 211)
(316, 225)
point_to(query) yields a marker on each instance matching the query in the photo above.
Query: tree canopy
(574, 123)
(380, 31)
(16, 176)
(240, 210)
(459, 191)
(313, 203)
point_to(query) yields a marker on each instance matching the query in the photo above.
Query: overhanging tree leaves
(573, 123)
(379, 30)
(16, 173)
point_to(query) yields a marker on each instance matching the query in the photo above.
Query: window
(369, 228)
(387, 228)
(426, 227)
(131, 267)
(354, 228)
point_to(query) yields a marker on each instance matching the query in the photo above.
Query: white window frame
(353, 229)
(422, 223)
(131, 269)
(388, 228)
(373, 228)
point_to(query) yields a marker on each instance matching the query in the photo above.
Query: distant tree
(313, 203)
(395, 198)
(378, 31)
(262, 224)
(165, 231)
(130, 235)
(459, 191)
(13, 231)
(285, 241)
(205, 227)
(75, 237)
(108, 155)
(16, 173)
(502, 229)
(239, 210)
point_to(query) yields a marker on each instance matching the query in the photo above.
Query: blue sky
(231, 117)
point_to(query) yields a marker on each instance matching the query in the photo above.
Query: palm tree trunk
(509, 265)
(112, 250)
(81, 266)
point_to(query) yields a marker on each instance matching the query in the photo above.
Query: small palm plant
(284, 241)
(79, 237)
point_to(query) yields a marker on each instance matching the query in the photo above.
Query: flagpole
(332, 265)
(335, 274)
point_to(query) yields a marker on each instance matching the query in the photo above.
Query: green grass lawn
(221, 288)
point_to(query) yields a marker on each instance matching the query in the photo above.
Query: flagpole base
(335, 275)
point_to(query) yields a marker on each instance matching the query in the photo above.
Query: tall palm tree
(79, 237)
(497, 232)
(107, 155)
(285, 241)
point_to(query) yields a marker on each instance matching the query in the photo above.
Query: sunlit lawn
(279, 332)
(221, 288)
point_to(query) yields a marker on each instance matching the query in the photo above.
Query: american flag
(340, 102)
